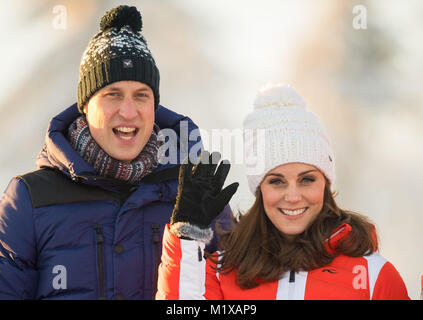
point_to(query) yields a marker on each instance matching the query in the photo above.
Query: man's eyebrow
(119, 89)
(282, 176)
(142, 89)
(113, 89)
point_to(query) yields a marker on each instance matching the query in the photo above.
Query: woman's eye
(275, 181)
(308, 179)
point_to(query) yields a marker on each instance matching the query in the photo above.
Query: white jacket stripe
(292, 290)
(192, 271)
(300, 285)
(375, 262)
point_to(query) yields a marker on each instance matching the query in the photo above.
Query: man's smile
(125, 133)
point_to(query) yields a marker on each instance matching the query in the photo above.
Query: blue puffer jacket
(74, 235)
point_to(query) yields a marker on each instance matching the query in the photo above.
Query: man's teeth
(125, 129)
(293, 212)
(125, 133)
(125, 138)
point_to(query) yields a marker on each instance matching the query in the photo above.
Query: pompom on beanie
(281, 130)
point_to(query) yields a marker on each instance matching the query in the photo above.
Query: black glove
(200, 197)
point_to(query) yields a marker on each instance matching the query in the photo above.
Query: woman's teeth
(293, 212)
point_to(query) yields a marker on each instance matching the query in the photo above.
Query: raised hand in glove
(200, 197)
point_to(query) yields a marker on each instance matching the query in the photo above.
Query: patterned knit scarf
(133, 171)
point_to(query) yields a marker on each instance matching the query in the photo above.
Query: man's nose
(128, 109)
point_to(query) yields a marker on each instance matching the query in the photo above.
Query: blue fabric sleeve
(18, 275)
(225, 223)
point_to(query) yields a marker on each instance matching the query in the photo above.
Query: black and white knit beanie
(117, 52)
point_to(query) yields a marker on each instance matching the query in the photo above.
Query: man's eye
(142, 95)
(111, 94)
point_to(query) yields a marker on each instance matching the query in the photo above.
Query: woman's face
(293, 196)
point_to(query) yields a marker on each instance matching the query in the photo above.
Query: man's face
(121, 118)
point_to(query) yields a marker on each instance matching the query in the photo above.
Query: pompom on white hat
(281, 130)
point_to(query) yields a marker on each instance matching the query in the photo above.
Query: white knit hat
(281, 130)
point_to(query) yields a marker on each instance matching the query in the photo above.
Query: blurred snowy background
(213, 55)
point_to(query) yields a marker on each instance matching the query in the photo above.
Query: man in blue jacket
(88, 223)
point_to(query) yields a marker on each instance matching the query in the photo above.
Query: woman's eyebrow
(282, 176)
(305, 172)
(274, 174)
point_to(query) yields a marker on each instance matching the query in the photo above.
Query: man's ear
(85, 108)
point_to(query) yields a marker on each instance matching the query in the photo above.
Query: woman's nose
(292, 195)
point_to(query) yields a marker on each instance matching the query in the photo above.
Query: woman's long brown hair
(260, 252)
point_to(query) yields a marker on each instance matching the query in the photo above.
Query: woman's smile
(293, 214)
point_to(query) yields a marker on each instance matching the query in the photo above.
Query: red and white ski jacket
(185, 274)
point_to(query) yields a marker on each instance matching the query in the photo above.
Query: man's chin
(126, 157)
(124, 153)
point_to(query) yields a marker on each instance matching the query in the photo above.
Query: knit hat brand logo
(127, 63)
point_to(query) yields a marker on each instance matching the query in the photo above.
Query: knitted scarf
(131, 172)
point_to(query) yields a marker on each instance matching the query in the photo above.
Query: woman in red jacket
(294, 242)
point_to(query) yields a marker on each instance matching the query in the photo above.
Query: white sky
(228, 49)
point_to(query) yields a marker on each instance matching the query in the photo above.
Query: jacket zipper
(291, 287)
(100, 241)
(156, 241)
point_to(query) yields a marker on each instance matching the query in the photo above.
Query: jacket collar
(57, 152)
(338, 235)
(341, 234)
